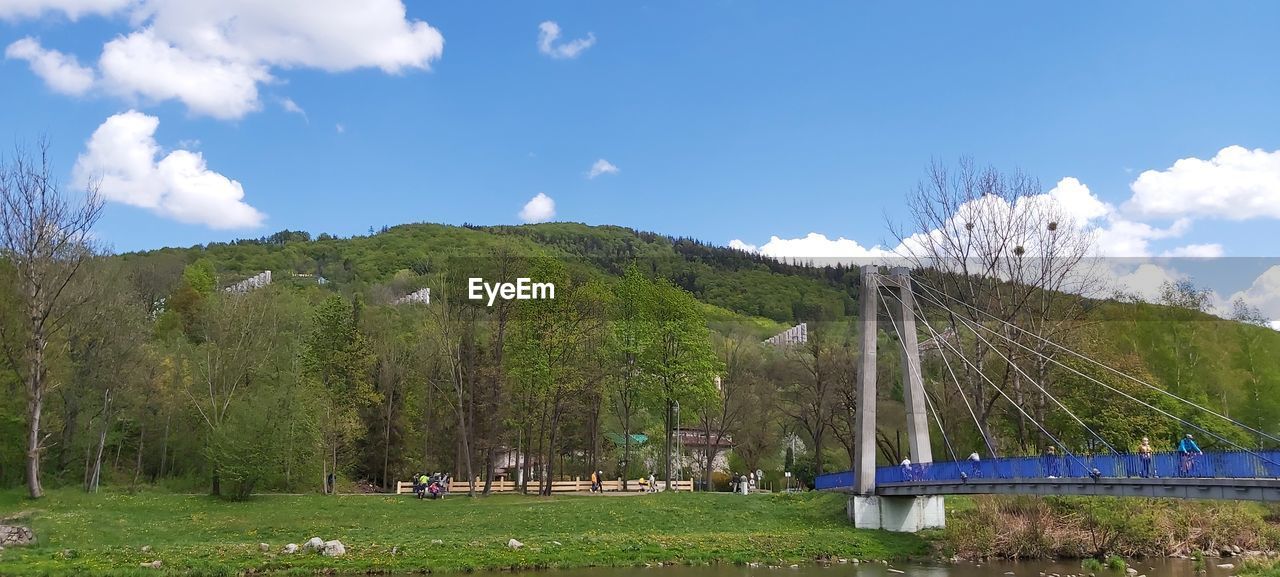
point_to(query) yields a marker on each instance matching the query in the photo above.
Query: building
(256, 281)
(796, 335)
(420, 296)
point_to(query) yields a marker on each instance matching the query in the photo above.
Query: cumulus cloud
(1263, 293)
(130, 168)
(144, 66)
(1211, 250)
(212, 55)
(60, 72)
(73, 9)
(601, 167)
(540, 208)
(812, 246)
(549, 33)
(1236, 184)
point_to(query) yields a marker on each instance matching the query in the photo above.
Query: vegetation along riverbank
(106, 534)
(1079, 527)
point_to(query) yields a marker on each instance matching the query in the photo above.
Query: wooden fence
(576, 485)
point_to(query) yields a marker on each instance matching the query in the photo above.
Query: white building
(256, 281)
(421, 296)
(796, 335)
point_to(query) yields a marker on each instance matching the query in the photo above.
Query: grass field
(195, 535)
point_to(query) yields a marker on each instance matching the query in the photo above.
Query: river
(1149, 568)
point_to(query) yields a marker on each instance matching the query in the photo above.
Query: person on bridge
(1050, 462)
(907, 474)
(1144, 453)
(1187, 450)
(975, 462)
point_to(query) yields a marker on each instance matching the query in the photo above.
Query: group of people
(1051, 461)
(745, 483)
(434, 486)
(1188, 450)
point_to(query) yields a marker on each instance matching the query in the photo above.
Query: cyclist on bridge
(1187, 449)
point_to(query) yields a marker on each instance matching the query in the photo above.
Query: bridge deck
(1242, 475)
(1217, 489)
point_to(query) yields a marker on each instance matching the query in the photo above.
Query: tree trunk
(668, 427)
(35, 406)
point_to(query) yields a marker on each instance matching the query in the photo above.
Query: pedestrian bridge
(1225, 475)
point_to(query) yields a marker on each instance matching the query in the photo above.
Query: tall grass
(1026, 527)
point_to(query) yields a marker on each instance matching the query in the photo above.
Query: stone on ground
(514, 544)
(16, 536)
(264, 547)
(333, 548)
(313, 544)
(152, 565)
(290, 549)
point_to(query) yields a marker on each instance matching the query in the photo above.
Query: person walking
(975, 464)
(907, 473)
(1050, 462)
(1144, 454)
(595, 481)
(1187, 451)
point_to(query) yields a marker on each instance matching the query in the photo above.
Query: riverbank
(1077, 527)
(113, 534)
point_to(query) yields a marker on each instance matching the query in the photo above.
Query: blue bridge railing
(1218, 465)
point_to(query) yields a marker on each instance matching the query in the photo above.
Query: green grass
(194, 535)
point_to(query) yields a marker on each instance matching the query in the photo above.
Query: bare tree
(1012, 255)
(45, 236)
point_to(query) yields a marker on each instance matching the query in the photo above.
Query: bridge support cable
(928, 402)
(1056, 441)
(934, 335)
(1029, 378)
(1088, 359)
(1120, 392)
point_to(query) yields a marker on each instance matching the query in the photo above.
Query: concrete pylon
(865, 508)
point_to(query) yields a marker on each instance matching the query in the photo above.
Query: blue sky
(725, 120)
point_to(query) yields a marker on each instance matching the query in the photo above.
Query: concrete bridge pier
(898, 514)
(866, 509)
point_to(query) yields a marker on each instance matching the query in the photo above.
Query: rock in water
(264, 547)
(514, 544)
(16, 535)
(333, 548)
(313, 544)
(1226, 566)
(290, 549)
(152, 565)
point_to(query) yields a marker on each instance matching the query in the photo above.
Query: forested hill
(729, 279)
(1232, 366)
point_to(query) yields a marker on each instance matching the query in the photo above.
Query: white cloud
(1236, 184)
(212, 55)
(600, 167)
(144, 66)
(1212, 250)
(1275, 325)
(60, 72)
(1263, 293)
(1144, 281)
(540, 208)
(1121, 237)
(549, 32)
(73, 9)
(812, 246)
(292, 107)
(122, 156)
